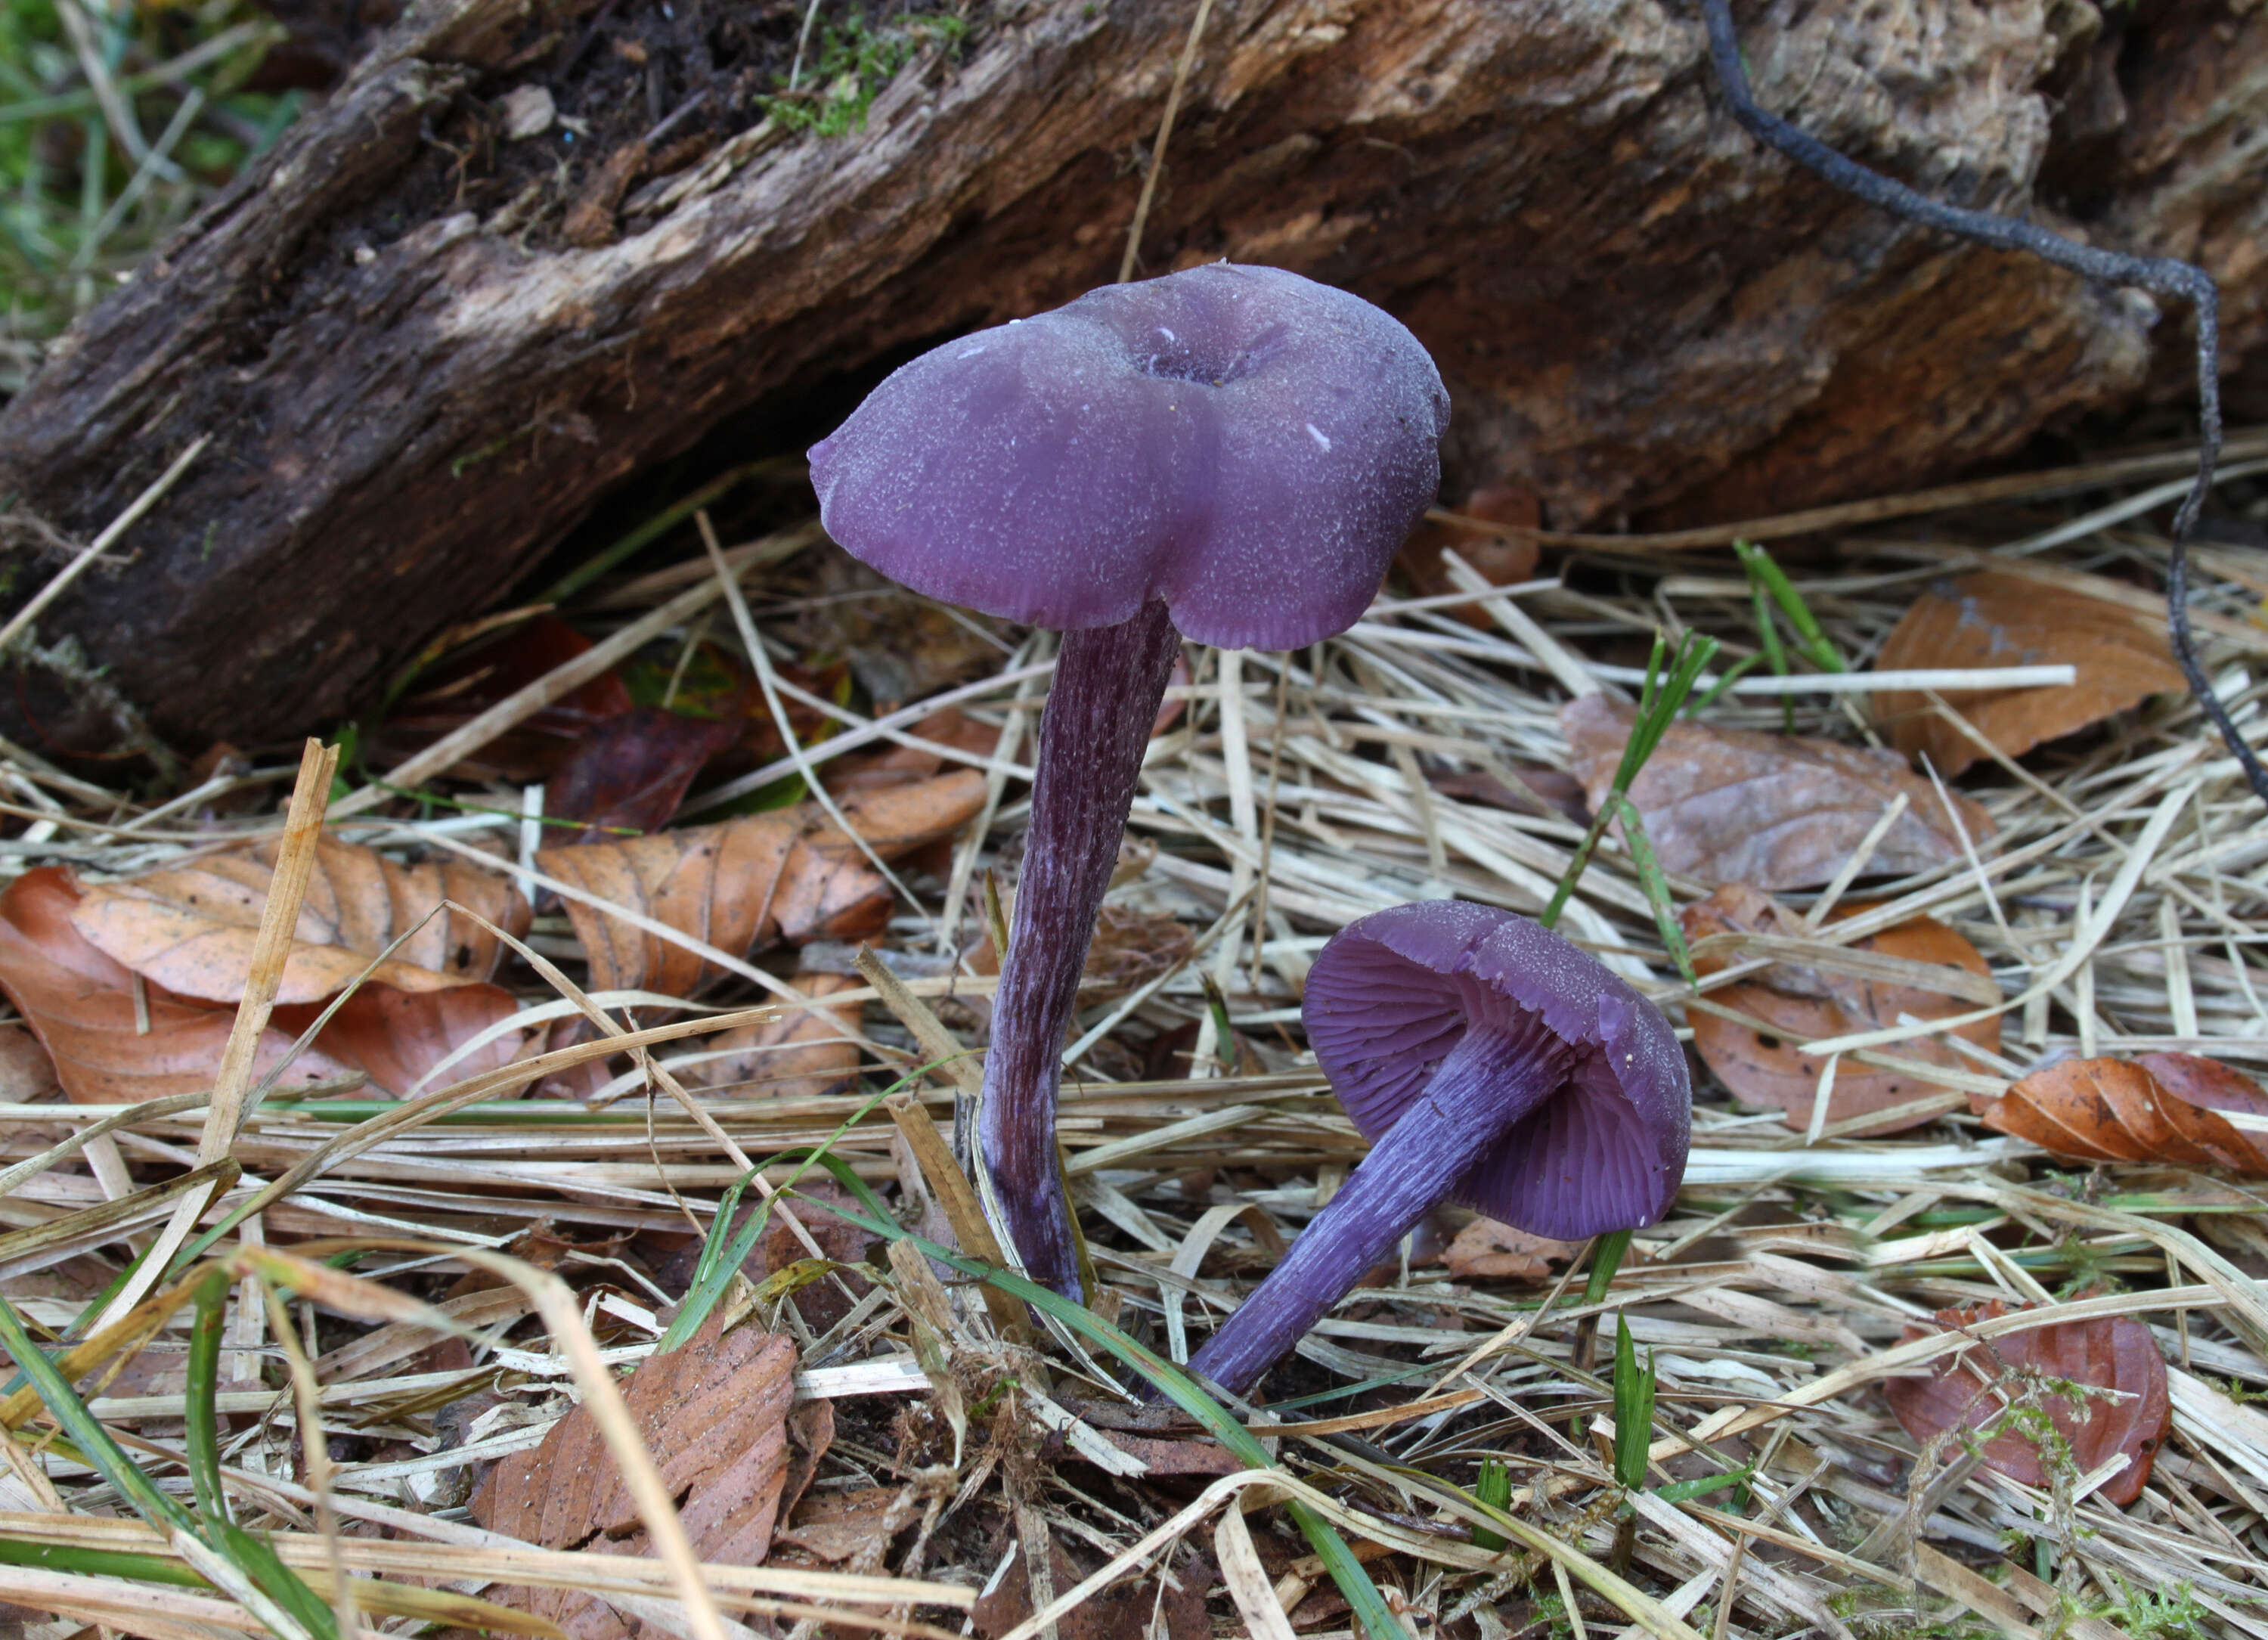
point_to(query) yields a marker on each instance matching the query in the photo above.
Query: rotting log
(424, 351)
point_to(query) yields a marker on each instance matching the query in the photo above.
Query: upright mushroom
(1234, 452)
(1491, 1062)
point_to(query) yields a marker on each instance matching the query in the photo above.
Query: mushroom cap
(1249, 445)
(1394, 991)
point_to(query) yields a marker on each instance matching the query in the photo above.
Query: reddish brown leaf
(191, 927)
(80, 1004)
(2115, 1354)
(483, 672)
(1502, 559)
(27, 1072)
(398, 1039)
(802, 1056)
(2192, 1088)
(714, 1417)
(901, 765)
(1777, 811)
(1484, 1248)
(789, 875)
(629, 773)
(1794, 1002)
(1998, 619)
(2163, 1108)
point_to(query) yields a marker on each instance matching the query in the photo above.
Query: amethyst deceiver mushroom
(1489, 1062)
(1233, 452)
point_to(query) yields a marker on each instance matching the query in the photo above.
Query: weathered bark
(1638, 310)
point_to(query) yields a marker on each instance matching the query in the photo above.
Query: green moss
(854, 62)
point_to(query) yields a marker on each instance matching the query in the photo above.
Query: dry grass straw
(2119, 902)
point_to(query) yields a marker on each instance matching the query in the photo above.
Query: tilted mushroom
(1489, 1062)
(1232, 452)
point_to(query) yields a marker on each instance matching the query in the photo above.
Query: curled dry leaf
(80, 1004)
(801, 1055)
(713, 1415)
(1487, 1249)
(1997, 619)
(789, 875)
(2113, 1355)
(1779, 811)
(1922, 968)
(191, 927)
(2163, 1108)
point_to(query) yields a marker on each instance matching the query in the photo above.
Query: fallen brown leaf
(2112, 1353)
(1502, 559)
(2161, 1108)
(799, 1056)
(80, 1004)
(2121, 657)
(901, 765)
(788, 874)
(191, 927)
(478, 672)
(1795, 1002)
(398, 1037)
(27, 1071)
(1779, 811)
(629, 773)
(1485, 1248)
(714, 1416)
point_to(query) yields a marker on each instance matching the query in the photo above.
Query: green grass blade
(1660, 703)
(99, 1562)
(1493, 1490)
(1633, 1387)
(1655, 884)
(201, 1443)
(1810, 638)
(1725, 679)
(1606, 1260)
(86, 1430)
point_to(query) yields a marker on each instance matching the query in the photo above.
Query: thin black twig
(2159, 274)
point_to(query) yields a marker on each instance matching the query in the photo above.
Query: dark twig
(2161, 274)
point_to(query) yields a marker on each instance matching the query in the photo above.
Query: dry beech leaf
(714, 1417)
(1780, 811)
(800, 1055)
(901, 765)
(398, 1038)
(789, 875)
(1485, 1248)
(80, 1004)
(1994, 619)
(1798, 1002)
(2161, 1108)
(2110, 1354)
(191, 927)
(27, 1071)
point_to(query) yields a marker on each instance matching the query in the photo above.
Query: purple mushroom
(1232, 452)
(1491, 1062)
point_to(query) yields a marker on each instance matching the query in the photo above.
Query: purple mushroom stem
(1489, 1081)
(1229, 454)
(1489, 1062)
(1101, 705)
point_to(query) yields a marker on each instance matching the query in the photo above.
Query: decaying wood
(417, 381)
